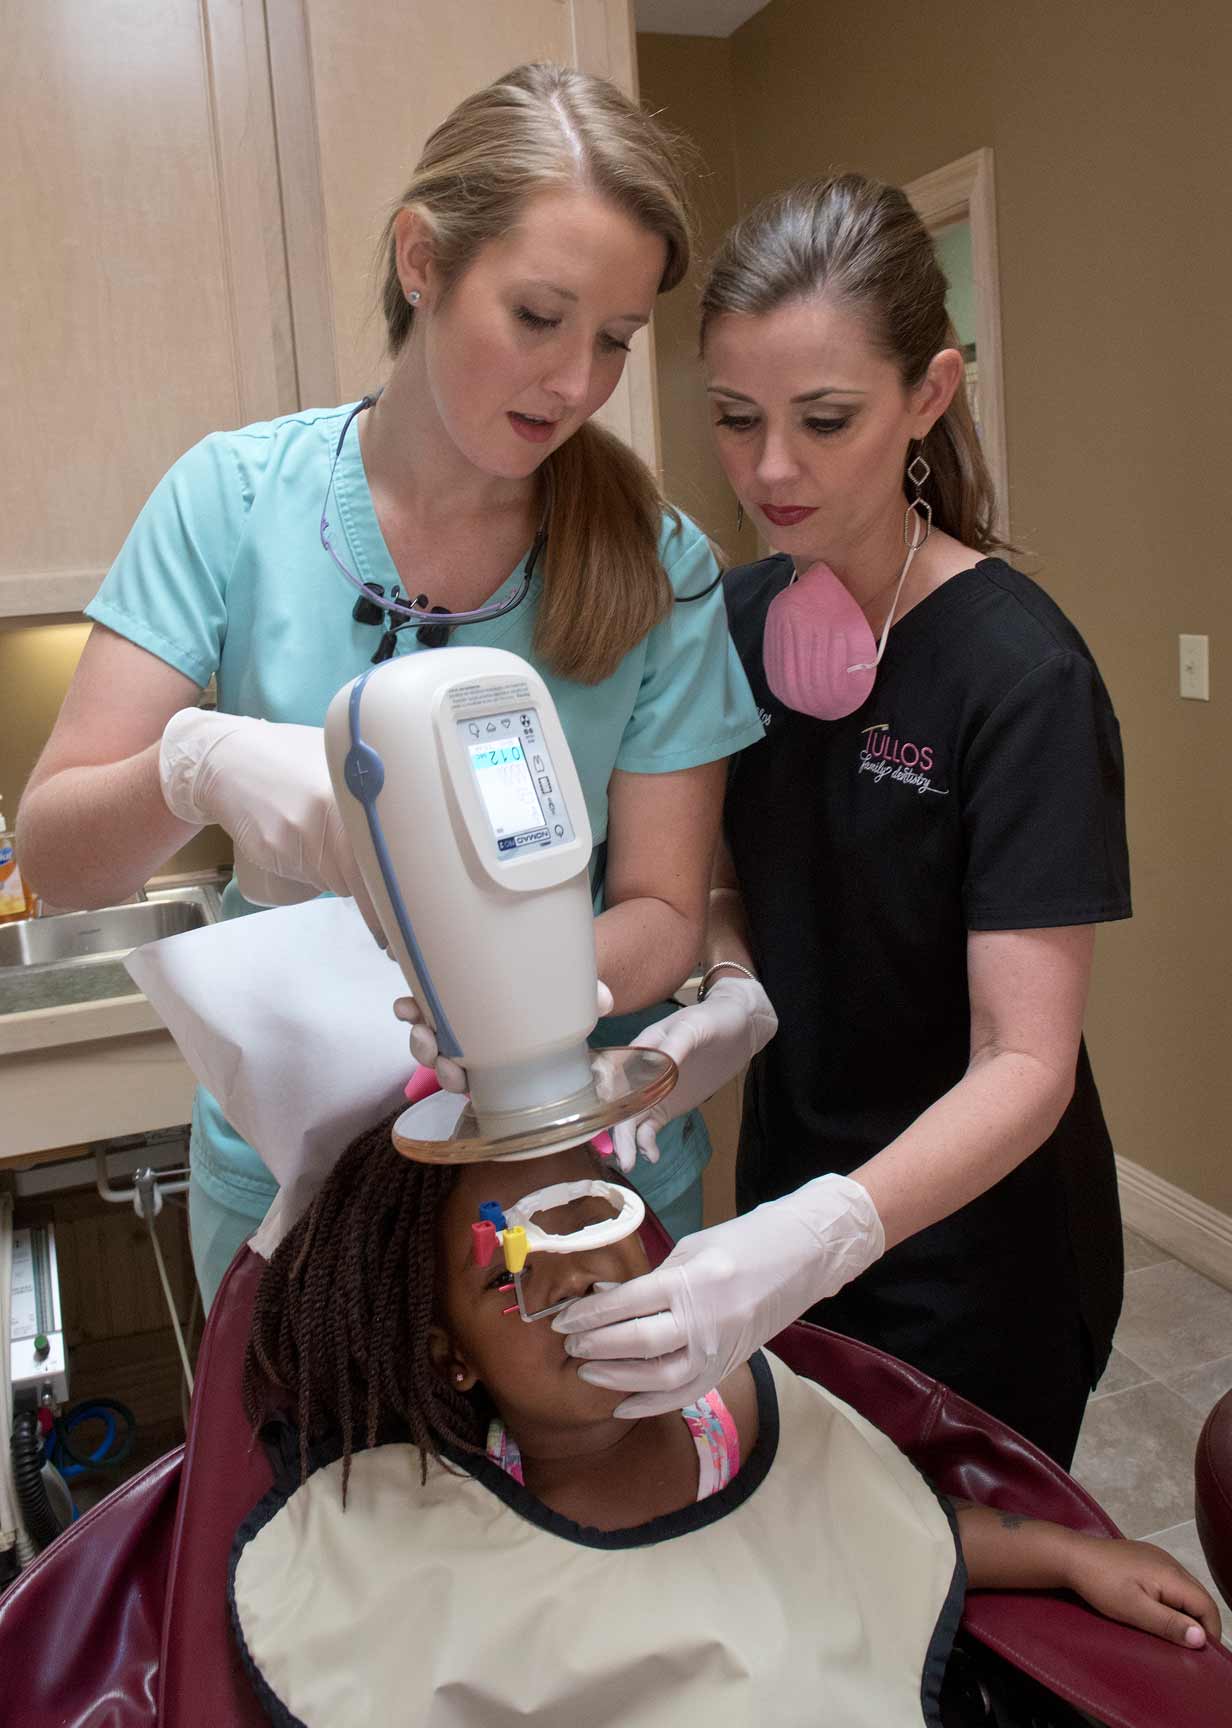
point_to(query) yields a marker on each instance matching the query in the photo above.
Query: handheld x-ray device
(467, 818)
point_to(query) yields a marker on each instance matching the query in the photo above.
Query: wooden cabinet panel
(356, 95)
(605, 43)
(146, 298)
(378, 81)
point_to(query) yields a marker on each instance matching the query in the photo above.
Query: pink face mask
(818, 651)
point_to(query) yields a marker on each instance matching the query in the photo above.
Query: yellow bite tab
(513, 1241)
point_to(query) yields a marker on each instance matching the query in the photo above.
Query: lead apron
(823, 1585)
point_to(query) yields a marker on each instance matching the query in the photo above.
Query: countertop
(26, 989)
(43, 1028)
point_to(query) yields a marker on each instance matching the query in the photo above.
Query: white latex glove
(268, 785)
(424, 1048)
(709, 1043)
(672, 1335)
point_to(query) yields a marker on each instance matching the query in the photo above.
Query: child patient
(461, 1531)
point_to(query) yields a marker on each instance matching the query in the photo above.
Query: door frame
(966, 189)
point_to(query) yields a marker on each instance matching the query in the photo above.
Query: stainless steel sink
(71, 938)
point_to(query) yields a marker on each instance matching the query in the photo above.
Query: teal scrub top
(224, 574)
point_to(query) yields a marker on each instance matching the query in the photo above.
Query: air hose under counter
(37, 1513)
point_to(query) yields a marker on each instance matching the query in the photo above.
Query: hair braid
(314, 1277)
(384, 1388)
(345, 1308)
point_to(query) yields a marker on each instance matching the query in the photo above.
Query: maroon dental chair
(1213, 1493)
(122, 1621)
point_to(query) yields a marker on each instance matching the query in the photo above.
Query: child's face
(524, 1366)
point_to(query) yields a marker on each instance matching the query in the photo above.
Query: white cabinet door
(145, 296)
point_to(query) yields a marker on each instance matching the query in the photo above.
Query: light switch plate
(1196, 668)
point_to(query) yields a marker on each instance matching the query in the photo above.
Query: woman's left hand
(1143, 1586)
(424, 1048)
(710, 1043)
(674, 1334)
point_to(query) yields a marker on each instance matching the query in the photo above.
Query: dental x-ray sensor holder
(628, 1211)
(466, 815)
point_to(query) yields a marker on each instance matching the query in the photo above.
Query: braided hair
(340, 1327)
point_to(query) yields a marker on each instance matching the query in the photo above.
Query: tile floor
(1171, 1361)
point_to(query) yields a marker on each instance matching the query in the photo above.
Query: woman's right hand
(424, 1048)
(267, 784)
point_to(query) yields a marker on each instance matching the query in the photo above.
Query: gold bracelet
(719, 965)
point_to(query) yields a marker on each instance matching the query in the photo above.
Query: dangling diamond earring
(916, 532)
(917, 526)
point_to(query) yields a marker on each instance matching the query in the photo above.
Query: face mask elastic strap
(920, 534)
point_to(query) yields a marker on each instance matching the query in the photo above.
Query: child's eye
(736, 422)
(502, 1279)
(534, 321)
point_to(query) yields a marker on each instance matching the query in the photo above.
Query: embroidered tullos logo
(765, 716)
(886, 757)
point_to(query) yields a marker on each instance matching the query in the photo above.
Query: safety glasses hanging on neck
(437, 621)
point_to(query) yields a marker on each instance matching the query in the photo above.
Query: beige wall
(36, 666)
(1112, 138)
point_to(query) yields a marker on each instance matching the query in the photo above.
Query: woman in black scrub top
(916, 856)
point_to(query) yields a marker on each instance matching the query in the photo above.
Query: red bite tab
(422, 1084)
(483, 1242)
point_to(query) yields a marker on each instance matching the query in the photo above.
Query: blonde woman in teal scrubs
(546, 214)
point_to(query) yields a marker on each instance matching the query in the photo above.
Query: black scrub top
(979, 787)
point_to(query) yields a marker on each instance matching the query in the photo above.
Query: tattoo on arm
(1007, 1520)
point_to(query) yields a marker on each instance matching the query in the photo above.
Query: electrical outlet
(1196, 668)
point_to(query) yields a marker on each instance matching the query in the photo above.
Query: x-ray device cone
(467, 818)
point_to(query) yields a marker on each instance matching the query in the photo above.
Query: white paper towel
(287, 1018)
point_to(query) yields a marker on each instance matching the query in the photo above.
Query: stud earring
(414, 297)
(459, 1378)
